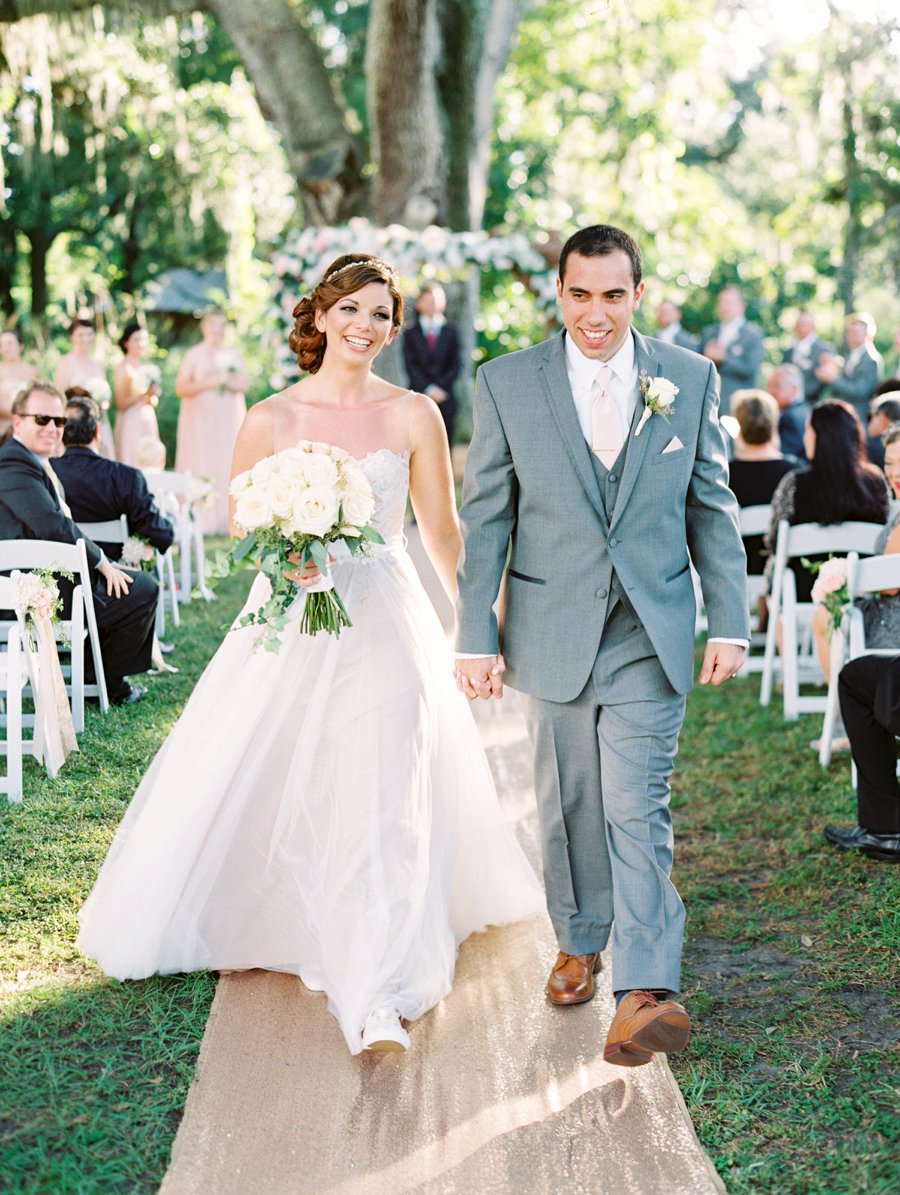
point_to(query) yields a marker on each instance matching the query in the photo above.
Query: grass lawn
(790, 969)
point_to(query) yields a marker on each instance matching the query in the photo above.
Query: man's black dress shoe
(129, 695)
(885, 847)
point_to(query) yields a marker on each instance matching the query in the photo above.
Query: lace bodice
(388, 474)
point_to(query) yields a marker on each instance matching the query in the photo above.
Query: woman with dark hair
(327, 810)
(839, 486)
(15, 374)
(136, 388)
(211, 384)
(80, 367)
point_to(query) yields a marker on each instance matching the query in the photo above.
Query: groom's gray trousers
(602, 766)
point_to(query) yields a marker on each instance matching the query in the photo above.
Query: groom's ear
(638, 291)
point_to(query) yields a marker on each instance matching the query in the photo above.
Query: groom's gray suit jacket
(531, 486)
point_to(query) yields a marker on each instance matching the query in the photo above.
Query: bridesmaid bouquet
(145, 377)
(299, 502)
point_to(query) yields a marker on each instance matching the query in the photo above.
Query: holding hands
(481, 677)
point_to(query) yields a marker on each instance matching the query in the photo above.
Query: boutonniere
(659, 398)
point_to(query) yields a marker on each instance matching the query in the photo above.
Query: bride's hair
(344, 276)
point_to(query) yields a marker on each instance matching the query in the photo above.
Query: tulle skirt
(326, 811)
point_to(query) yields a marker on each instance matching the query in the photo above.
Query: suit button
(613, 542)
(601, 593)
(613, 478)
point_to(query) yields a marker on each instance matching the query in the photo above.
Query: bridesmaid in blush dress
(211, 385)
(80, 367)
(136, 389)
(15, 374)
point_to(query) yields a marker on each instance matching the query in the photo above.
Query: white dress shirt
(730, 331)
(667, 335)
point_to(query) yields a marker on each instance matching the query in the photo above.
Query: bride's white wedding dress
(326, 810)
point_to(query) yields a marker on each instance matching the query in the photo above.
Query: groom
(603, 489)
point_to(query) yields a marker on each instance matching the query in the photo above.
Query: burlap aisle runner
(500, 1093)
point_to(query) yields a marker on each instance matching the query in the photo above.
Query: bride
(327, 810)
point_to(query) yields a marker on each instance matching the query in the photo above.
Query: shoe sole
(881, 856)
(668, 1033)
(621, 1054)
(387, 1047)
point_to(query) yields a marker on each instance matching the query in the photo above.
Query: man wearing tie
(806, 353)
(32, 506)
(669, 329)
(431, 353)
(734, 346)
(597, 470)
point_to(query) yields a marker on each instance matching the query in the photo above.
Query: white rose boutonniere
(659, 398)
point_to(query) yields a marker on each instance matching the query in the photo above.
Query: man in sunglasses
(32, 506)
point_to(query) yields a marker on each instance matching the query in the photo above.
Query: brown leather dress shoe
(644, 1026)
(572, 978)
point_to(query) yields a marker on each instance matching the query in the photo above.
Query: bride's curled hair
(343, 277)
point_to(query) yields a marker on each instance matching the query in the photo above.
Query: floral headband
(373, 263)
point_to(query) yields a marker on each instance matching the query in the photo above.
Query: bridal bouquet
(299, 502)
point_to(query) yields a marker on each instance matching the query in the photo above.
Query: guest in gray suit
(669, 329)
(806, 352)
(855, 381)
(734, 346)
(598, 463)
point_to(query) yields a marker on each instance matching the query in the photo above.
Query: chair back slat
(814, 539)
(755, 520)
(109, 531)
(873, 574)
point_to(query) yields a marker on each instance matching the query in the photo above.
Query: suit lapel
(647, 363)
(555, 378)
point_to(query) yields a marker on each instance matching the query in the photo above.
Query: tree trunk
(853, 182)
(293, 88)
(40, 243)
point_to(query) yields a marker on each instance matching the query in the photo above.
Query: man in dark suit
(869, 690)
(734, 346)
(32, 506)
(669, 329)
(98, 489)
(431, 353)
(785, 384)
(806, 352)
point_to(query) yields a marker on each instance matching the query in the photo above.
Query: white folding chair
(171, 492)
(70, 633)
(13, 681)
(872, 575)
(111, 531)
(754, 520)
(799, 662)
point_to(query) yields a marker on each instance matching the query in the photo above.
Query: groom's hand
(481, 677)
(721, 662)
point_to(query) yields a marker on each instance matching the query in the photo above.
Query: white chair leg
(768, 671)
(14, 729)
(789, 668)
(169, 574)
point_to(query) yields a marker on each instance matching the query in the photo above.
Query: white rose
(358, 507)
(663, 392)
(252, 510)
(281, 493)
(264, 469)
(319, 470)
(315, 511)
(238, 486)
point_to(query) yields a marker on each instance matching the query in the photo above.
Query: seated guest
(883, 412)
(856, 379)
(33, 506)
(840, 485)
(785, 384)
(869, 691)
(758, 466)
(98, 489)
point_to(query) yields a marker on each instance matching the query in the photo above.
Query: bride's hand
(305, 577)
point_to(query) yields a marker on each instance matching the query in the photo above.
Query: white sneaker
(384, 1032)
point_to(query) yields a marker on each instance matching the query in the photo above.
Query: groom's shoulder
(673, 357)
(516, 362)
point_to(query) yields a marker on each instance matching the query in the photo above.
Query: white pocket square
(673, 445)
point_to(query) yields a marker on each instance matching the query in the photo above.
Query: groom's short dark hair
(598, 241)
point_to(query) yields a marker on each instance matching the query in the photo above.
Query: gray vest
(608, 482)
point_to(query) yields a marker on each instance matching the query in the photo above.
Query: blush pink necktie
(607, 437)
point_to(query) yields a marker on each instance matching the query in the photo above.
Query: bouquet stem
(324, 611)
